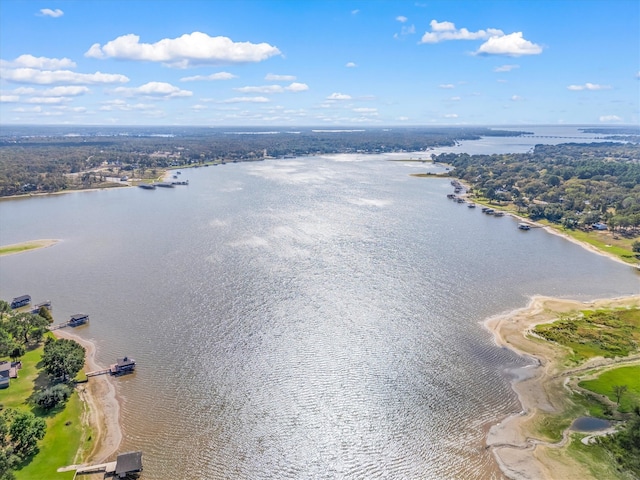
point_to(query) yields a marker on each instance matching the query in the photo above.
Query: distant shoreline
(539, 387)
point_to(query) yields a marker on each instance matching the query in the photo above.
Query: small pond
(589, 424)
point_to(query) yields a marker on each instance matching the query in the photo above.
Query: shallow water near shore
(304, 318)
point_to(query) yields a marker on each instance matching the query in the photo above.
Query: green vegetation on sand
(588, 334)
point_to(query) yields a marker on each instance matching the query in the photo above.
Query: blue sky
(319, 62)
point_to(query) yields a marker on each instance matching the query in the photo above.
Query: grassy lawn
(606, 333)
(59, 446)
(17, 248)
(629, 376)
(64, 430)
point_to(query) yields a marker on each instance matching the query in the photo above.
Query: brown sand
(540, 389)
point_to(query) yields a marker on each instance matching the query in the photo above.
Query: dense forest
(575, 185)
(50, 159)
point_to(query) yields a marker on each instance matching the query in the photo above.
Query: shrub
(52, 396)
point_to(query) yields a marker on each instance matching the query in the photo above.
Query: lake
(317, 317)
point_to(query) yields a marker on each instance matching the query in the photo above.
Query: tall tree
(63, 358)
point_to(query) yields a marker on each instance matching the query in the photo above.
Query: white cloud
(355, 12)
(351, 65)
(366, 110)
(66, 108)
(121, 105)
(246, 100)
(406, 30)
(47, 12)
(64, 91)
(272, 77)
(638, 75)
(513, 45)
(339, 96)
(403, 119)
(261, 89)
(401, 18)
(455, 99)
(155, 89)
(42, 63)
(451, 115)
(47, 100)
(9, 98)
(268, 89)
(497, 42)
(516, 98)
(213, 76)
(589, 86)
(47, 77)
(36, 109)
(198, 107)
(447, 86)
(192, 49)
(506, 68)
(610, 118)
(297, 87)
(442, 31)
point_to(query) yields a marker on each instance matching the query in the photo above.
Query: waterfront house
(123, 365)
(78, 319)
(128, 464)
(599, 226)
(21, 301)
(5, 368)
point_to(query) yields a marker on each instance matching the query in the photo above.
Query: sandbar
(22, 247)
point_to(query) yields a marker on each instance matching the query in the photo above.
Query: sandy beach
(540, 388)
(103, 408)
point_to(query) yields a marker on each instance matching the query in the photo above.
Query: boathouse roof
(129, 462)
(126, 361)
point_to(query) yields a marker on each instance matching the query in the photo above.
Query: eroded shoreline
(103, 412)
(539, 387)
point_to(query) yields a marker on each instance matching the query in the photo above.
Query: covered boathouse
(78, 319)
(20, 301)
(128, 464)
(123, 365)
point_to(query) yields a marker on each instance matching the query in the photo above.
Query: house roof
(21, 298)
(129, 462)
(5, 367)
(79, 316)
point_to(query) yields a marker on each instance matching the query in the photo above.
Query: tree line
(575, 185)
(39, 159)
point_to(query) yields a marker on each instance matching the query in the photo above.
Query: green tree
(27, 326)
(45, 313)
(635, 246)
(5, 307)
(63, 358)
(25, 431)
(52, 396)
(619, 391)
